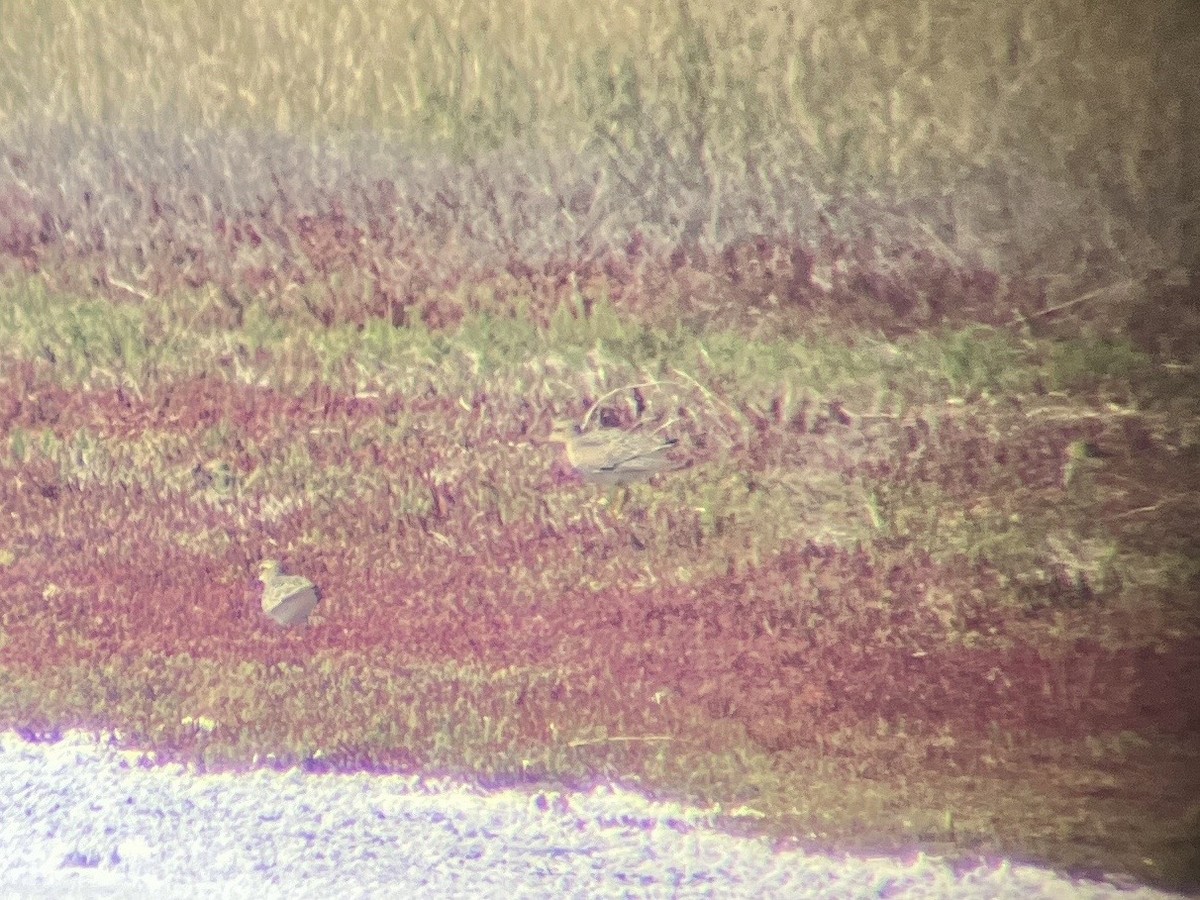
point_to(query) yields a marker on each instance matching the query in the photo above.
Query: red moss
(379, 255)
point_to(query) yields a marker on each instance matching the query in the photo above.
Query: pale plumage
(288, 599)
(612, 456)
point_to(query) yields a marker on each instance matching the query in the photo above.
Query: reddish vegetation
(133, 555)
(811, 640)
(409, 251)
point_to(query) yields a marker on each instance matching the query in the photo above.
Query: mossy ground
(935, 591)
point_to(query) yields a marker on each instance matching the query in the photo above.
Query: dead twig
(624, 739)
(1085, 298)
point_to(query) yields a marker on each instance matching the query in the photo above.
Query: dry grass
(999, 120)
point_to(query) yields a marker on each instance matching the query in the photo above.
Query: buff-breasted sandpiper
(288, 599)
(613, 456)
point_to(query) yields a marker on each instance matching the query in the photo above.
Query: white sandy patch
(79, 818)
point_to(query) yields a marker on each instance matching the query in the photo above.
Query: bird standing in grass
(288, 599)
(612, 456)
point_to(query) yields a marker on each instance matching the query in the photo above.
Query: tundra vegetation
(912, 284)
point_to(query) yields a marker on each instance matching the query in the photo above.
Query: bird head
(562, 431)
(268, 569)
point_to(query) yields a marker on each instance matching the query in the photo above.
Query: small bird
(288, 599)
(611, 456)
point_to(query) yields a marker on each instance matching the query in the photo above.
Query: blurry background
(1045, 134)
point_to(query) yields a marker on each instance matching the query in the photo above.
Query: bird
(288, 599)
(612, 456)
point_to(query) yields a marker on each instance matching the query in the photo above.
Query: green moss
(82, 338)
